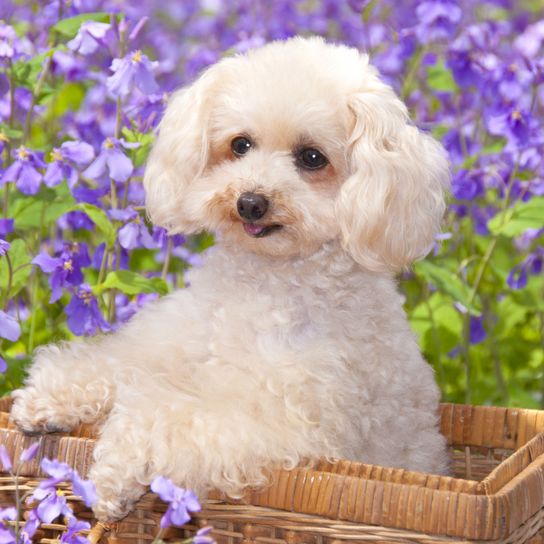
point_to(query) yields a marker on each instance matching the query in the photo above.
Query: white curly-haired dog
(291, 341)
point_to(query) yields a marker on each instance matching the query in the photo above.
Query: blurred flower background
(82, 87)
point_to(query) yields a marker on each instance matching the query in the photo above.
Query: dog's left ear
(391, 206)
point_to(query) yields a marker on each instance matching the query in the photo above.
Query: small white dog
(291, 341)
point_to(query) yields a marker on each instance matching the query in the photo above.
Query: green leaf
(448, 282)
(439, 78)
(14, 375)
(101, 220)
(131, 283)
(10, 132)
(516, 220)
(42, 209)
(68, 97)
(19, 258)
(26, 72)
(145, 139)
(69, 27)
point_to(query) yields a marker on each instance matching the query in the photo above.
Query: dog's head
(294, 145)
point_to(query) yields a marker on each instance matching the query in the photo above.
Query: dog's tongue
(253, 229)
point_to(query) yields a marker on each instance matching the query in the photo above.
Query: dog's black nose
(252, 206)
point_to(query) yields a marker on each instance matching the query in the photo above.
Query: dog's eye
(240, 145)
(311, 159)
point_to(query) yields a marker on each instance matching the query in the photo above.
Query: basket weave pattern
(495, 496)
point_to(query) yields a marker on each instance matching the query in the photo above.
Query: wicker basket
(497, 494)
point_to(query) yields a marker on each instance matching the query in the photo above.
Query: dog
(291, 342)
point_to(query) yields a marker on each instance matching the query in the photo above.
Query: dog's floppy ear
(180, 153)
(391, 206)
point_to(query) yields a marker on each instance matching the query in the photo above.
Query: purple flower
(4, 247)
(89, 36)
(30, 452)
(4, 458)
(30, 527)
(9, 327)
(65, 269)
(181, 502)
(52, 501)
(7, 37)
(477, 331)
(3, 365)
(201, 536)
(358, 5)
(24, 171)
(7, 536)
(84, 315)
(513, 124)
(6, 226)
(135, 234)
(71, 536)
(84, 489)
(59, 471)
(517, 277)
(529, 43)
(112, 158)
(133, 70)
(468, 184)
(438, 19)
(61, 167)
(8, 514)
(532, 264)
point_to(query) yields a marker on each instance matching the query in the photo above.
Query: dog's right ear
(180, 153)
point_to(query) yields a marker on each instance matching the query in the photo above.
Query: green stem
(103, 266)
(18, 503)
(33, 303)
(6, 199)
(9, 283)
(166, 264)
(35, 94)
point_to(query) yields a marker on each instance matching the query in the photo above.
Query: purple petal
(84, 489)
(477, 331)
(119, 84)
(119, 165)
(47, 263)
(78, 152)
(6, 226)
(4, 458)
(128, 236)
(3, 365)
(7, 536)
(164, 488)
(8, 513)
(12, 173)
(30, 452)
(191, 501)
(9, 327)
(179, 515)
(29, 180)
(56, 469)
(145, 80)
(53, 175)
(96, 168)
(51, 507)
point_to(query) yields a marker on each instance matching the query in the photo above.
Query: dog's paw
(116, 496)
(34, 413)
(113, 508)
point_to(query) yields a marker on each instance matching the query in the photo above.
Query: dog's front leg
(76, 381)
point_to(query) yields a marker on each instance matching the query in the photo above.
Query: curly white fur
(289, 346)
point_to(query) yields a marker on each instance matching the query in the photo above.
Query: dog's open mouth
(259, 231)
